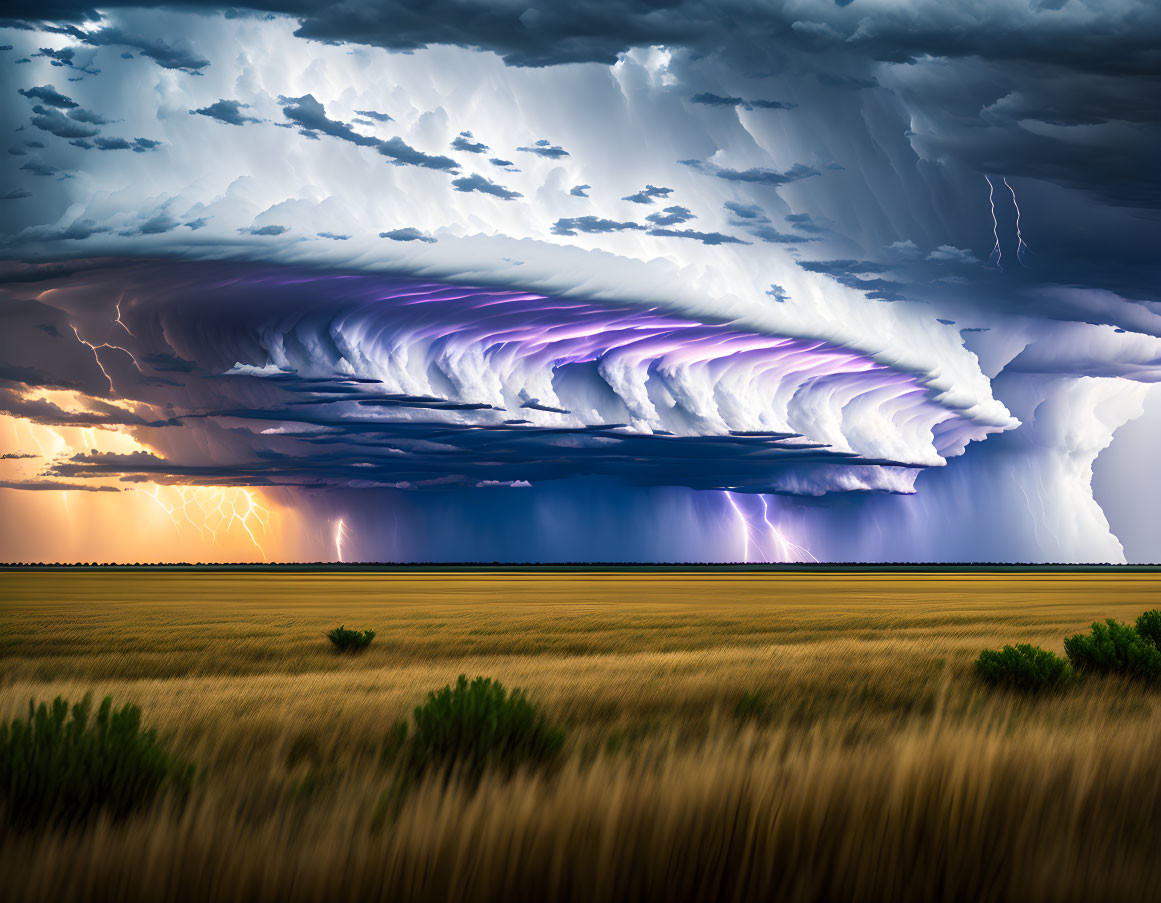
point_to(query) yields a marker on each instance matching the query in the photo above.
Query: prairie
(869, 764)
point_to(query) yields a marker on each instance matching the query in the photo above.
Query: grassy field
(874, 765)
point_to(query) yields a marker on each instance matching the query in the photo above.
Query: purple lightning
(745, 524)
(790, 550)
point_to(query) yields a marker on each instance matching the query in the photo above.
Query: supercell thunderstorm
(735, 306)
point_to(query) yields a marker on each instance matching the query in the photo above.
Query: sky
(791, 280)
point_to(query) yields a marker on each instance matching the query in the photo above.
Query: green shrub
(1114, 648)
(1149, 627)
(350, 640)
(471, 727)
(57, 768)
(1022, 667)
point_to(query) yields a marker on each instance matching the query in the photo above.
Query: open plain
(729, 735)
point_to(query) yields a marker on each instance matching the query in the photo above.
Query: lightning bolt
(791, 551)
(745, 524)
(97, 357)
(118, 319)
(340, 535)
(236, 506)
(1021, 245)
(997, 254)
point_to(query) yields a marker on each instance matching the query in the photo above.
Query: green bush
(471, 727)
(1022, 667)
(350, 640)
(1114, 648)
(57, 768)
(1149, 627)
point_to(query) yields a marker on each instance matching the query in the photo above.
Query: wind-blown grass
(878, 767)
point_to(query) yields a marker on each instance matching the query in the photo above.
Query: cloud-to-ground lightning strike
(340, 535)
(1021, 245)
(790, 550)
(745, 525)
(997, 255)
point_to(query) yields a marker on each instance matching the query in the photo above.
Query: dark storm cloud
(770, 235)
(1120, 38)
(62, 58)
(56, 485)
(166, 55)
(227, 111)
(40, 410)
(158, 224)
(177, 56)
(49, 95)
(465, 142)
(16, 194)
(39, 168)
(755, 175)
(717, 100)
(137, 145)
(647, 194)
(476, 182)
(57, 123)
(78, 230)
(747, 211)
(82, 115)
(310, 116)
(407, 233)
(670, 216)
(590, 224)
(1081, 62)
(545, 148)
(803, 223)
(269, 426)
(706, 238)
(860, 275)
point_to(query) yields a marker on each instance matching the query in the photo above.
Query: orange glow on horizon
(140, 521)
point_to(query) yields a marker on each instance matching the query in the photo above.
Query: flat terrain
(874, 765)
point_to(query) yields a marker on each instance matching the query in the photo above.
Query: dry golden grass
(882, 770)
